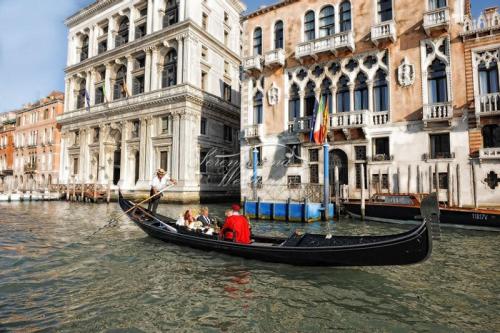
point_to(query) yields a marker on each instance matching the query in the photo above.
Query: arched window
(361, 92)
(278, 35)
(310, 99)
(257, 42)
(327, 21)
(343, 98)
(488, 78)
(119, 88)
(80, 99)
(437, 82)
(84, 53)
(122, 36)
(380, 92)
(384, 9)
(171, 13)
(345, 16)
(309, 26)
(294, 103)
(169, 73)
(257, 109)
(326, 93)
(491, 136)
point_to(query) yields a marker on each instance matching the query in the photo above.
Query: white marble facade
(151, 83)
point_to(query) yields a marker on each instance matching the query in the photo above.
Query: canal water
(54, 279)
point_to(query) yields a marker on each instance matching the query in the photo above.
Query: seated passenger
(236, 227)
(190, 220)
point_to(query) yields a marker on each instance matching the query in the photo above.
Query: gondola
(406, 248)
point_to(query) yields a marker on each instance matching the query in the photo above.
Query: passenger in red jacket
(236, 224)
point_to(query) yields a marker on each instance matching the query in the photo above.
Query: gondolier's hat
(161, 172)
(236, 207)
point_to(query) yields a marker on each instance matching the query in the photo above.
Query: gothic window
(310, 99)
(84, 53)
(309, 26)
(169, 73)
(343, 98)
(488, 78)
(326, 93)
(294, 103)
(491, 136)
(361, 92)
(384, 8)
(345, 16)
(257, 41)
(327, 21)
(119, 88)
(435, 4)
(380, 92)
(257, 108)
(122, 36)
(437, 82)
(171, 13)
(278, 35)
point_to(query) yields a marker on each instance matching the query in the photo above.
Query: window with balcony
(84, 52)
(294, 103)
(122, 35)
(380, 92)
(171, 13)
(278, 35)
(343, 95)
(384, 9)
(491, 136)
(309, 26)
(169, 72)
(437, 82)
(119, 88)
(257, 42)
(488, 78)
(257, 108)
(381, 149)
(436, 4)
(310, 99)
(440, 145)
(327, 21)
(345, 16)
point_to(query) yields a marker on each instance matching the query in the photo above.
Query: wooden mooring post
(94, 195)
(82, 193)
(459, 201)
(108, 196)
(362, 192)
(474, 185)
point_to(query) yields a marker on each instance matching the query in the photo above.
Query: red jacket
(238, 224)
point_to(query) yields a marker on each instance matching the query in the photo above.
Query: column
(71, 50)
(124, 155)
(91, 78)
(111, 31)
(149, 23)
(62, 165)
(351, 96)
(302, 95)
(334, 100)
(180, 62)
(131, 27)
(67, 83)
(370, 95)
(107, 82)
(156, 16)
(88, 79)
(81, 177)
(184, 137)
(101, 167)
(130, 66)
(91, 41)
(175, 146)
(142, 151)
(182, 10)
(147, 71)
(154, 69)
(150, 156)
(71, 97)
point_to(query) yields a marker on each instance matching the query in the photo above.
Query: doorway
(116, 166)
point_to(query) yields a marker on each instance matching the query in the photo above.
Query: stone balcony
(334, 43)
(275, 58)
(300, 125)
(380, 118)
(438, 112)
(489, 153)
(437, 20)
(253, 63)
(488, 105)
(385, 31)
(353, 119)
(252, 132)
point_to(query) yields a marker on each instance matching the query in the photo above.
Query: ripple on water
(52, 278)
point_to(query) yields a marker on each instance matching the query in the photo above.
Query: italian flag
(321, 122)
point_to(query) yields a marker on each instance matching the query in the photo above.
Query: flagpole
(326, 162)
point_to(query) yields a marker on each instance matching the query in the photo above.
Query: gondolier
(160, 181)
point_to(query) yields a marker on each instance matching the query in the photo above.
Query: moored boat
(406, 248)
(406, 208)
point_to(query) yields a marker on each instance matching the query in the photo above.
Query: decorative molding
(273, 95)
(406, 73)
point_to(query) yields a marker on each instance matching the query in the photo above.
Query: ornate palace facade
(7, 127)
(149, 84)
(393, 73)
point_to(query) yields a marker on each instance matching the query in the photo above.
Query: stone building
(149, 84)
(393, 73)
(481, 39)
(7, 126)
(37, 142)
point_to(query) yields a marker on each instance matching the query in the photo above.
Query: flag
(324, 126)
(87, 99)
(318, 124)
(313, 120)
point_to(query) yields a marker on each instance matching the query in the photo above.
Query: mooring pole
(326, 180)
(363, 192)
(255, 158)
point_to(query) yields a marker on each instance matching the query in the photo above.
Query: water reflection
(53, 278)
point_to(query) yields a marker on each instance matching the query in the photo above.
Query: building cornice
(88, 11)
(268, 8)
(239, 5)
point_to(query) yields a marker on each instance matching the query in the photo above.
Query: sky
(33, 46)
